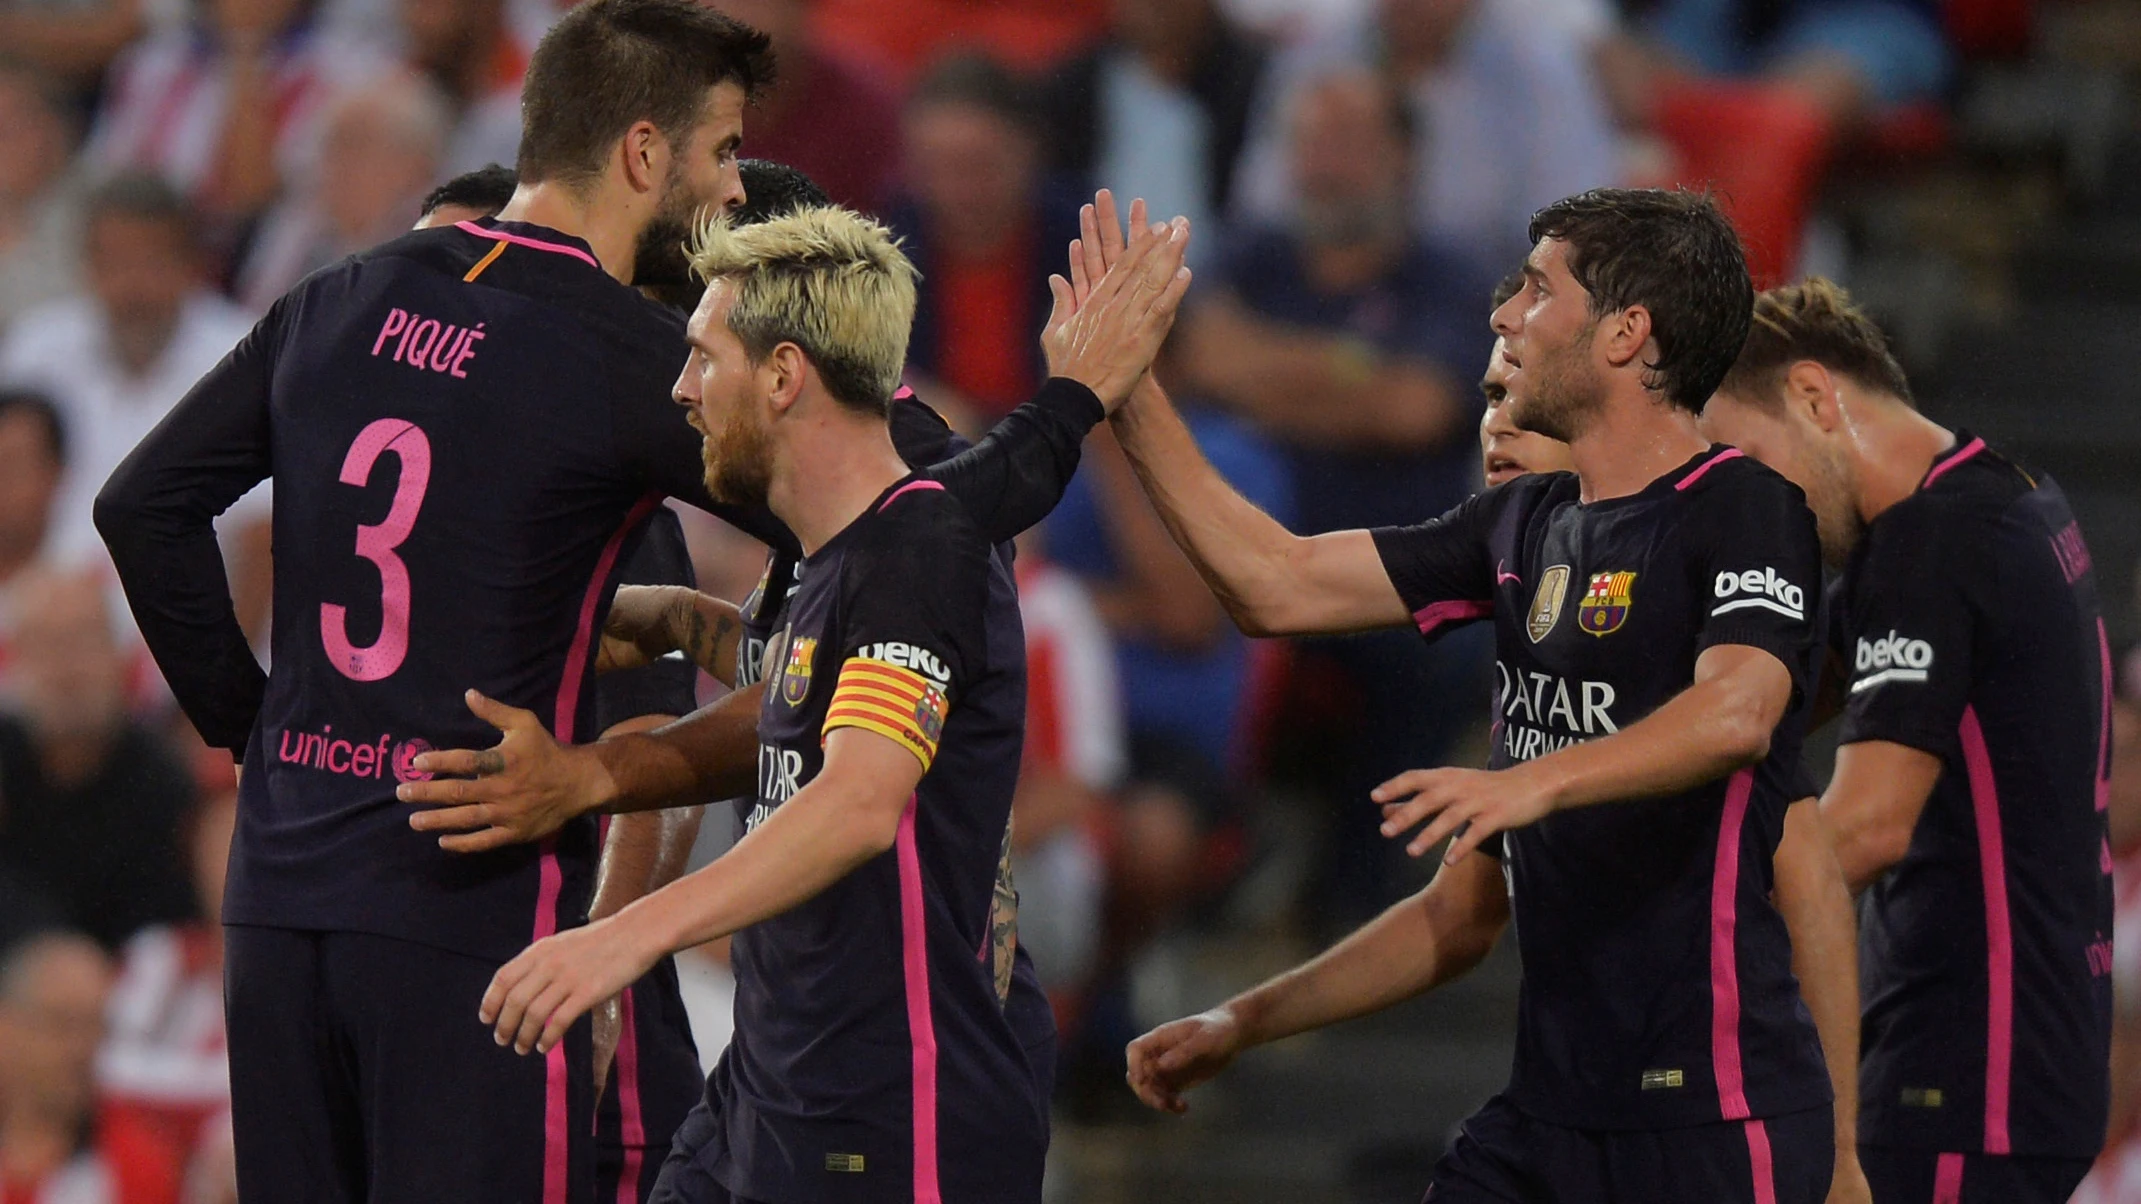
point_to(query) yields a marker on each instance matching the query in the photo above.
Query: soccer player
(871, 1039)
(1972, 778)
(1642, 753)
(465, 426)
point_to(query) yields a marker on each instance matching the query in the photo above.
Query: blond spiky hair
(826, 279)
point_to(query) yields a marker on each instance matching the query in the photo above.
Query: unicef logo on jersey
(405, 755)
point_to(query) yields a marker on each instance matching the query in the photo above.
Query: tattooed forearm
(709, 631)
(1003, 923)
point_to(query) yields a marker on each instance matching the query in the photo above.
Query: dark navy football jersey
(670, 685)
(464, 426)
(1972, 630)
(875, 1054)
(1657, 988)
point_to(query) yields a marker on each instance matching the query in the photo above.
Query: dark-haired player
(1644, 740)
(1973, 776)
(466, 427)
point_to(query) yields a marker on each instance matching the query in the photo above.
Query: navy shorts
(359, 1074)
(1901, 1176)
(654, 1081)
(1502, 1156)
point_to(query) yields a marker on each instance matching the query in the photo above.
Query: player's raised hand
(1177, 1056)
(1480, 801)
(522, 788)
(1107, 341)
(535, 997)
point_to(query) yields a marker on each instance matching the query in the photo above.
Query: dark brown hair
(1812, 320)
(1674, 254)
(607, 64)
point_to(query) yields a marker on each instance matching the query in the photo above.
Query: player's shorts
(654, 1081)
(359, 1074)
(1900, 1176)
(1502, 1156)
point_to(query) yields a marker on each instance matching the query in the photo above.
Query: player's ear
(785, 367)
(1627, 336)
(1810, 394)
(646, 157)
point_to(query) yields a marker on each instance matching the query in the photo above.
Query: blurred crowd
(1360, 173)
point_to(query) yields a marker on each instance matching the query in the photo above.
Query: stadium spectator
(1160, 109)
(828, 115)
(226, 106)
(1504, 118)
(33, 454)
(1347, 337)
(986, 226)
(93, 801)
(1846, 58)
(163, 1060)
(469, 50)
(73, 40)
(119, 355)
(40, 218)
(383, 147)
(55, 1145)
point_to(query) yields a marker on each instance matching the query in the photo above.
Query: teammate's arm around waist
(1719, 724)
(1271, 581)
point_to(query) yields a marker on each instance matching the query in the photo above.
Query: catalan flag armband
(891, 700)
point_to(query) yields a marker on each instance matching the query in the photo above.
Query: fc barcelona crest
(1546, 603)
(1605, 604)
(795, 676)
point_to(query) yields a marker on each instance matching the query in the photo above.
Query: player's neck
(609, 235)
(1633, 441)
(829, 472)
(1894, 446)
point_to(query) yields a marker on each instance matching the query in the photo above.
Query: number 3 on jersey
(380, 658)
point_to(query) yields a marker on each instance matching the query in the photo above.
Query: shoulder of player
(1734, 472)
(1950, 523)
(918, 532)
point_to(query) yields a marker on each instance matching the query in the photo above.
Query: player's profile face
(1546, 331)
(722, 391)
(702, 178)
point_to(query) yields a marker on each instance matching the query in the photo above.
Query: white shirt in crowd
(63, 350)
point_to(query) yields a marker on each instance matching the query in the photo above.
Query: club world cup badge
(1546, 602)
(795, 676)
(1605, 604)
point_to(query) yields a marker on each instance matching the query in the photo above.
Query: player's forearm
(709, 754)
(1709, 730)
(1811, 896)
(644, 851)
(706, 629)
(1415, 946)
(1243, 554)
(1872, 805)
(1017, 473)
(807, 844)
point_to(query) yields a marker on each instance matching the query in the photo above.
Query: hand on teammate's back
(1106, 326)
(523, 788)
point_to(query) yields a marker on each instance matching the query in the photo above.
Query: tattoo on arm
(1003, 923)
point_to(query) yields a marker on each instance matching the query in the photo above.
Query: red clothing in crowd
(125, 1162)
(835, 121)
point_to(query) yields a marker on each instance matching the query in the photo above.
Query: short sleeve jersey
(1972, 631)
(1657, 987)
(874, 1057)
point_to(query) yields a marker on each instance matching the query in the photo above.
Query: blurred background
(1193, 814)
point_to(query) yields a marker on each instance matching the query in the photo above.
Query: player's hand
(1480, 801)
(535, 997)
(1109, 341)
(641, 626)
(1175, 1057)
(1848, 1185)
(523, 788)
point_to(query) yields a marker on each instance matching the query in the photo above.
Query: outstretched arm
(1718, 725)
(1419, 944)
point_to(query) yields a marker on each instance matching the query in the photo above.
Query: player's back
(465, 425)
(1986, 951)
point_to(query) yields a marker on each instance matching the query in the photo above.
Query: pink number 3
(383, 656)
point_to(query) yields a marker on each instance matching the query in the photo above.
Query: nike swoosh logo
(1501, 577)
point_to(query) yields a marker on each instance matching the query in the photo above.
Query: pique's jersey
(464, 427)
(873, 1058)
(1971, 625)
(1657, 988)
